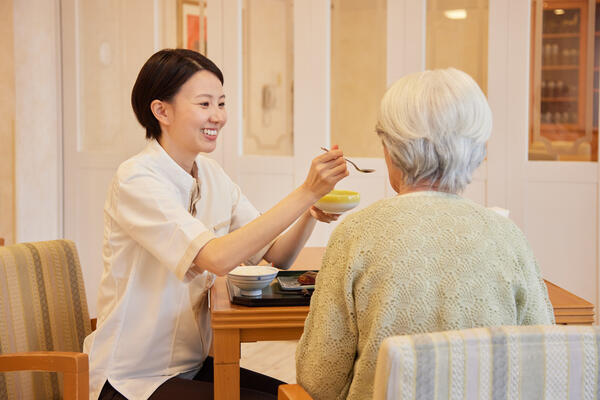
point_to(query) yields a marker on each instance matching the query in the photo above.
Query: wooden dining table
(235, 324)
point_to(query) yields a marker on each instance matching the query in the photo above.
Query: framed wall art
(191, 25)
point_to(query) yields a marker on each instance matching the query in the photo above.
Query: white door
(104, 44)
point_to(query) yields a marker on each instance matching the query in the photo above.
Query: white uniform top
(153, 319)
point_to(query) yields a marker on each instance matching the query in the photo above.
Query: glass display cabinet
(564, 80)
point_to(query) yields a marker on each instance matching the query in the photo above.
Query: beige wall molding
(38, 138)
(7, 124)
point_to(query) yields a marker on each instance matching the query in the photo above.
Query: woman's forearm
(224, 253)
(287, 246)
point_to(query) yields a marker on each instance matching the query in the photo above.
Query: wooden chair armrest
(292, 392)
(73, 365)
(57, 361)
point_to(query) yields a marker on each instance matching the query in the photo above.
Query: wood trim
(569, 309)
(57, 361)
(257, 335)
(563, 299)
(292, 392)
(589, 69)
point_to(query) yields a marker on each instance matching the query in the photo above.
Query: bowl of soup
(338, 201)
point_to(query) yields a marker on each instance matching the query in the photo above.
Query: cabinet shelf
(553, 126)
(558, 99)
(560, 35)
(566, 67)
(562, 49)
(567, 132)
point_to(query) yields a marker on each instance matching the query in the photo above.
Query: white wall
(38, 154)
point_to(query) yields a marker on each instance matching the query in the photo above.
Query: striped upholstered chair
(43, 321)
(525, 362)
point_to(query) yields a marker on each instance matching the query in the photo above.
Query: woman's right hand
(325, 171)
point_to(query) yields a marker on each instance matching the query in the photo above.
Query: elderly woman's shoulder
(369, 211)
(419, 207)
(496, 219)
(372, 216)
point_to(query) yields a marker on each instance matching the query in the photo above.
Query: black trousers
(253, 386)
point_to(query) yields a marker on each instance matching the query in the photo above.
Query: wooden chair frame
(73, 365)
(292, 392)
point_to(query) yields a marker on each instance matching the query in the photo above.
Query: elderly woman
(426, 259)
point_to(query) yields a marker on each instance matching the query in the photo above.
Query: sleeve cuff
(188, 258)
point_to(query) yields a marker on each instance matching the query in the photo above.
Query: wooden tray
(272, 295)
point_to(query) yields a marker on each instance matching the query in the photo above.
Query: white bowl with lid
(252, 279)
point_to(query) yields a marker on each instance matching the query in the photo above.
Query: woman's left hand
(322, 216)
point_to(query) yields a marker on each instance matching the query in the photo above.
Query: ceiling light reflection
(460, 13)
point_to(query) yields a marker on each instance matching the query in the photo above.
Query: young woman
(174, 220)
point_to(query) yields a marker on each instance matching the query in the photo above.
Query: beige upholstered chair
(43, 321)
(508, 362)
(552, 362)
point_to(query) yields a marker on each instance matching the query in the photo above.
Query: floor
(275, 359)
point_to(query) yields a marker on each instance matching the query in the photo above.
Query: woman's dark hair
(160, 79)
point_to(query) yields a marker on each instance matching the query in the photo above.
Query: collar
(166, 164)
(429, 193)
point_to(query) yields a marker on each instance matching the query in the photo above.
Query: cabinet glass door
(562, 70)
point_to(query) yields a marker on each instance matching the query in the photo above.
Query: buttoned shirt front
(153, 319)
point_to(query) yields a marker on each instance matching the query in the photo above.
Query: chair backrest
(508, 362)
(43, 307)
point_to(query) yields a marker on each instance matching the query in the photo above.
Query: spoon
(365, 170)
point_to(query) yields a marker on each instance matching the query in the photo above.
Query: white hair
(434, 125)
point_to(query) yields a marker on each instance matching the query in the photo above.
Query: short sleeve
(148, 209)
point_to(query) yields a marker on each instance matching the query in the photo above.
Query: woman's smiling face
(195, 115)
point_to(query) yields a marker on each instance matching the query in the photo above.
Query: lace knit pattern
(420, 262)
